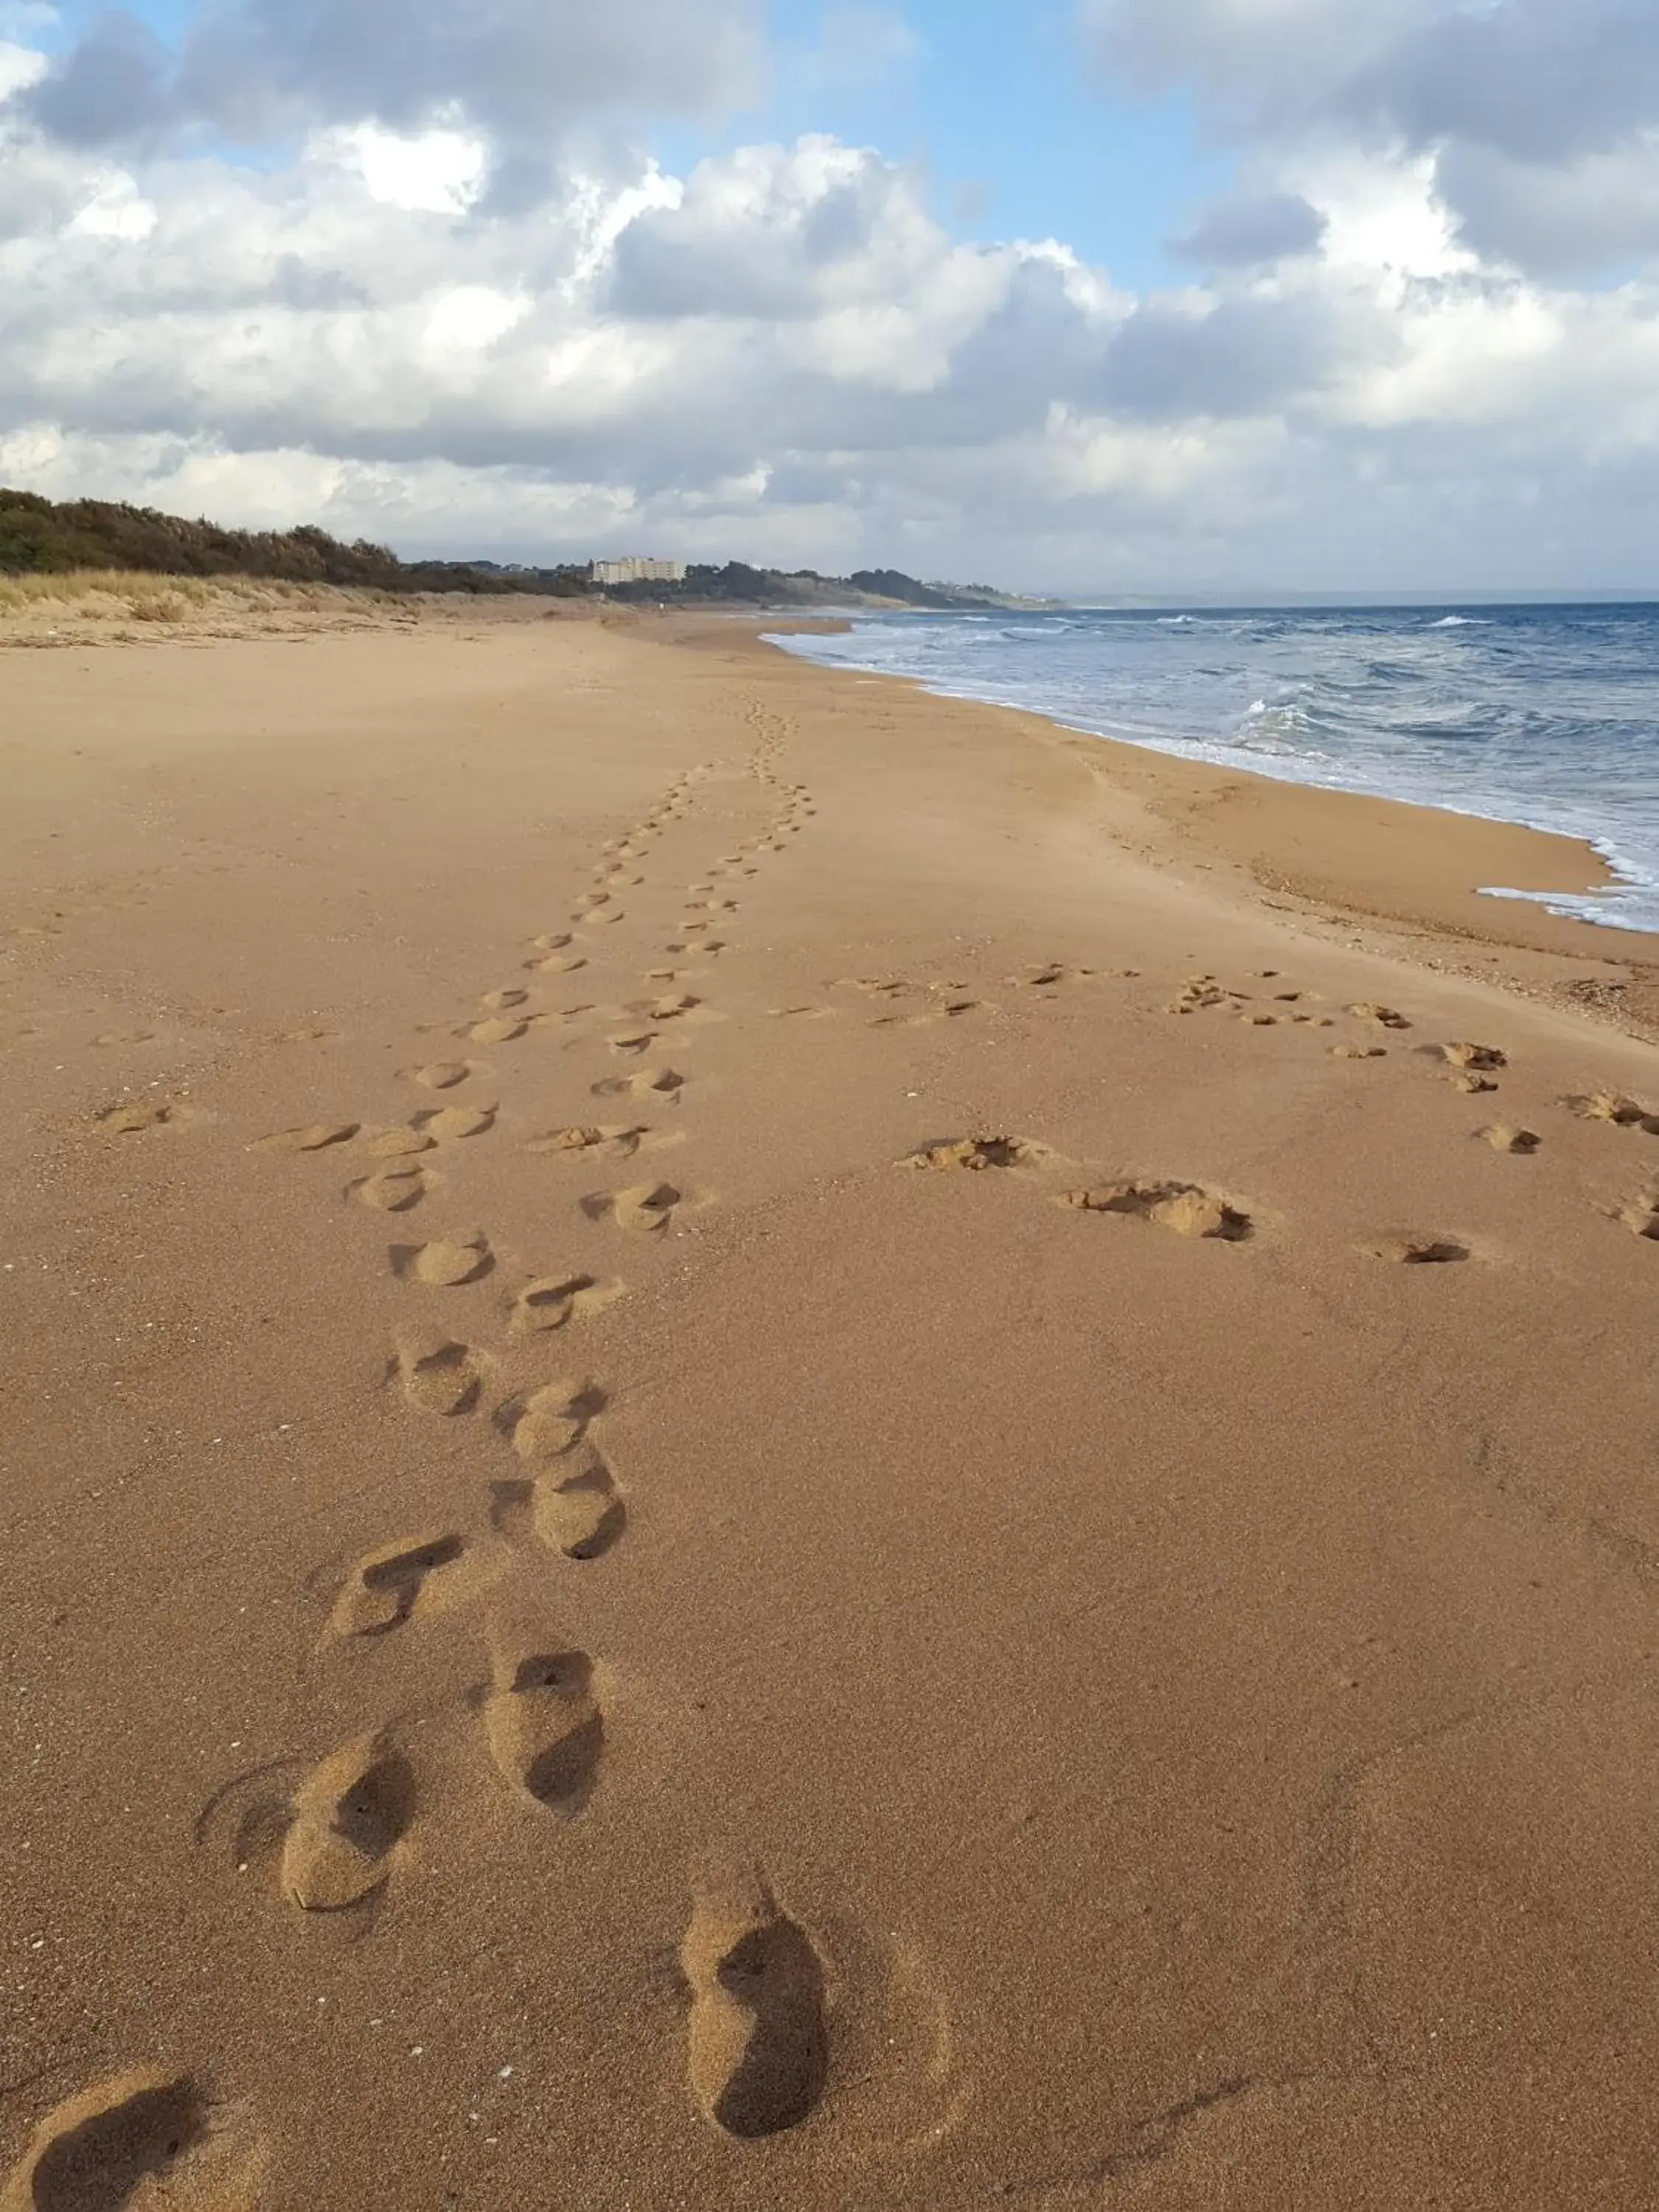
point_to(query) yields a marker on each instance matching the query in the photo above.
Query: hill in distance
(41, 537)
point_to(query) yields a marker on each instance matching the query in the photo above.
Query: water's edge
(1629, 903)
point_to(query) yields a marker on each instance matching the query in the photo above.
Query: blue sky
(1020, 137)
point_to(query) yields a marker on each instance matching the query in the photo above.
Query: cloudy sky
(1076, 294)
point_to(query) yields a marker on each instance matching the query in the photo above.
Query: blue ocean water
(1543, 715)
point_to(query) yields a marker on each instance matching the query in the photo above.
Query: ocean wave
(1460, 622)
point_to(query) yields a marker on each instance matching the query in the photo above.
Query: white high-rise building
(636, 570)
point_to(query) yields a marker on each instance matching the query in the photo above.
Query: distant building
(636, 570)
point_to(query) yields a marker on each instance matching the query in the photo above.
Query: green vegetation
(45, 538)
(40, 537)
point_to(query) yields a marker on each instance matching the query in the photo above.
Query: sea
(1547, 716)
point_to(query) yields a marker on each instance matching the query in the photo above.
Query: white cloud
(526, 72)
(439, 172)
(1383, 370)
(1531, 115)
(20, 66)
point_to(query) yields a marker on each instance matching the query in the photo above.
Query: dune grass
(135, 595)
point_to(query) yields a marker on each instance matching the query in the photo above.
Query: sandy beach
(777, 1447)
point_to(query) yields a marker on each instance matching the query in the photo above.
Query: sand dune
(973, 1595)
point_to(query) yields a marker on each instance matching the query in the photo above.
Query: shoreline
(1597, 870)
(1415, 871)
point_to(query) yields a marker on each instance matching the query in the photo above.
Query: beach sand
(773, 1446)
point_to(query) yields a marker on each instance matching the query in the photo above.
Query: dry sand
(773, 1447)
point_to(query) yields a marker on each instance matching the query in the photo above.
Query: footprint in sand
(393, 1190)
(1641, 1215)
(1419, 1251)
(973, 1155)
(664, 1085)
(758, 2050)
(129, 1121)
(554, 1301)
(399, 1143)
(503, 1001)
(440, 1074)
(554, 1419)
(1198, 993)
(618, 1142)
(1614, 1108)
(147, 2138)
(1483, 1059)
(1506, 1137)
(315, 1137)
(384, 1589)
(451, 1123)
(1187, 1208)
(1051, 973)
(347, 1820)
(545, 1728)
(558, 963)
(499, 1029)
(646, 1208)
(664, 1009)
(1368, 1010)
(446, 1263)
(881, 987)
(576, 1507)
(590, 902)
(1359, 1052)
(439, 1374)
(632, 1040)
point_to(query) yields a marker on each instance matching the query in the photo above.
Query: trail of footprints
(756, 2048)
(1192, 1210)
